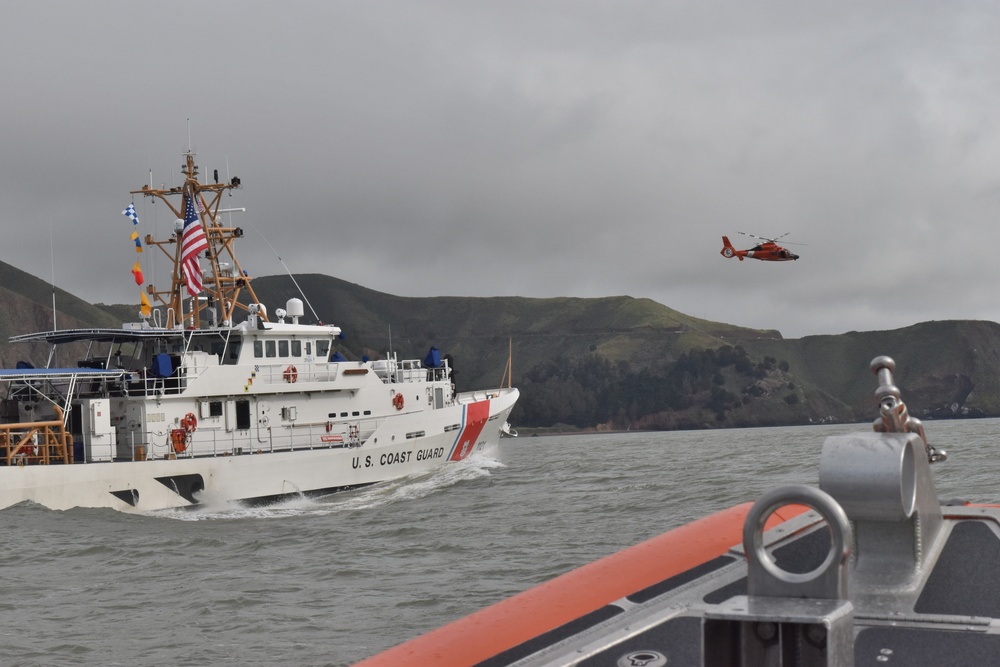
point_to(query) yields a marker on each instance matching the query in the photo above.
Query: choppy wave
(404, 489)
(329, 581)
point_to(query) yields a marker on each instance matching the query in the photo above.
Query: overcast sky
(528, 148)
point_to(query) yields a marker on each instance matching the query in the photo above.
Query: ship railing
(293, 437)
(315, 435)
(482, 395)
(141, 384)
(40, 442)
(276, 370)
(330, 371)
(415, 371)
(411, 375)
(303, 371)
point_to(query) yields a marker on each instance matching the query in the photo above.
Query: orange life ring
(291, 374)
(189, 423)
(397, 400)
(179, 439)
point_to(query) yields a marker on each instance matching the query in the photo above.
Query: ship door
(238, 415)
(438, 398)
(76, 428)
(98, 433)
(263, 421)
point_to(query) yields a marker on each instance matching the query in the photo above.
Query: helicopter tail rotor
(728, 250)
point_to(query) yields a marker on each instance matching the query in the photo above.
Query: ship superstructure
(206, 396)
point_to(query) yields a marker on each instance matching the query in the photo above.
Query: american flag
(193, 242)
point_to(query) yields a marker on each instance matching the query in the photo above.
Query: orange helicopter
(768, 251)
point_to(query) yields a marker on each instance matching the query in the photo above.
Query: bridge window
(258, 348)
(270, 350)
(296, 348)
(282, 348)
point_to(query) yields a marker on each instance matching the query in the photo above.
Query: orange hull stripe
(513, 621)
(476, 415)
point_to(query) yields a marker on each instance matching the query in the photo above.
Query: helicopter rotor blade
(769, 240)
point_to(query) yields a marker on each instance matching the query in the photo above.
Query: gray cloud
(528, 148)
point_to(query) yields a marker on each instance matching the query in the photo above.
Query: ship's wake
(388, 493)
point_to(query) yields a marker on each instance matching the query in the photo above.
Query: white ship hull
(264, 477)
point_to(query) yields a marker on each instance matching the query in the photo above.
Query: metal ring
(822, 502)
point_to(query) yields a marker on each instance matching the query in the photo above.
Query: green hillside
(939, 365)
(608, 363)
(476, 331)
(621, 362)
(26, 302)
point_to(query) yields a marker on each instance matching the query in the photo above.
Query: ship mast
(224, 281)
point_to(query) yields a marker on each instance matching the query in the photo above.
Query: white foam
(378, 495)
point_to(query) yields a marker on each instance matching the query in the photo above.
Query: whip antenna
(304, 297)
(52, 255)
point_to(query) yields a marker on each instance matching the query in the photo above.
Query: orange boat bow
(511, 622)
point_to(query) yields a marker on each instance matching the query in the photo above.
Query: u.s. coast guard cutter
(206, 397)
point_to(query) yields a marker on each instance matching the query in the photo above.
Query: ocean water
(331, 581)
